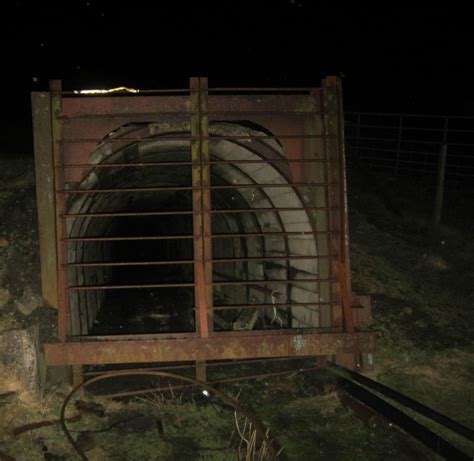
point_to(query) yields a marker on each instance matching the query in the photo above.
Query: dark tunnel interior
(127, 255)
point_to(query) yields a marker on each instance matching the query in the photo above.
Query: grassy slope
(422, 308)
(422, 295)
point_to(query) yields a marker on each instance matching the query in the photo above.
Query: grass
(422, 307)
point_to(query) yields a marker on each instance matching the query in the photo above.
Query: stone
(86, 440)
(4, 297)
(28, 302)
(19, 353)
(97, 454)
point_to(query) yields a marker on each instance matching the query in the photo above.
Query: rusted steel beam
(206, 201)
(330, 103)
(202, 325)
(44, 168)
(64, 315)
(185, 114)
(213, 348)
(131, 106)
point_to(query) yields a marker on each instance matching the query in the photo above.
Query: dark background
(390, 59)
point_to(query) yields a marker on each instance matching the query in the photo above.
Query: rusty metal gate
(195, 225)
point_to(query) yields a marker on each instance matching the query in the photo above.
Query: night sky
(390, 59)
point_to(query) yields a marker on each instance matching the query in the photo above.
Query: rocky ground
(422, 306)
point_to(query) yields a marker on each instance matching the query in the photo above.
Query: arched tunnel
(136, 232)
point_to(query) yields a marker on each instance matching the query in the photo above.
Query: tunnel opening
(131, 261)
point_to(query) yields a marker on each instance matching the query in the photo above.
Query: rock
(19, 354)
(96, 454)
(4, 297)
(86, 441)
(28, 302)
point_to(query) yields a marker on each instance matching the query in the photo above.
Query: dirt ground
(422, 296)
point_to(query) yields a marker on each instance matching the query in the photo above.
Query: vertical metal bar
(399, 143)
(332, 178)
(346, 289)
(44, 168)
(206, 200)
(198, 225)
(64, 315)
(332, 87)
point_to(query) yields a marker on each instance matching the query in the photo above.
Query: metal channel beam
(225, 347)
(44, 168)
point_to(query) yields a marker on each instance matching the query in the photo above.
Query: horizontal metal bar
(194, 138)
(269, 186)
(187, 261)
(404, 141)
(267, 210)
(147, 336)
(130, 287)
(175, 387)
(127, 213)
(425, 411)
(271, 234)
(125, 165)
(186, 114)
(164, 91)
(190, 188)
(396, 127)
(265, 90)
(190, 163)
(265, 282)
(128, 190)
(136, 237)
(184, 212)
(129, 264)
(261, 345)
(394, 114)
(394, 151)
(268, 258)
(276, 305)
(208, 364)
(191, 237)
(408, 424)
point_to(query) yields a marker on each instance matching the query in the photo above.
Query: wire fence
(412, 144)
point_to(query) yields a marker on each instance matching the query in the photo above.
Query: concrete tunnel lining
(86, 306)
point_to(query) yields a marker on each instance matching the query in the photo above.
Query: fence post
(399, 142)
(357, 135)
(438, 207)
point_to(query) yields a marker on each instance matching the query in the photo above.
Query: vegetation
(422, 294)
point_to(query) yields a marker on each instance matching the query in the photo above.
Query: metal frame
(67, 130)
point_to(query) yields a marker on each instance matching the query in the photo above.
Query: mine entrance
(131, 251)
(196, 224)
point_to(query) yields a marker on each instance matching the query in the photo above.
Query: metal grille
(217, 212)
